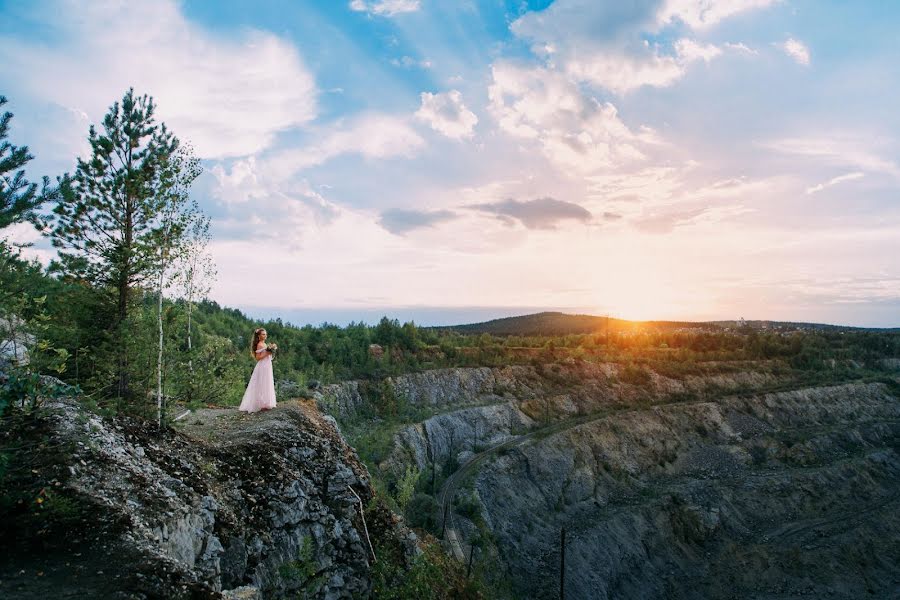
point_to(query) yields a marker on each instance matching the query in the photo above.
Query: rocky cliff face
(481, 407)
(704, 486)
(261, 506)
(770, 496)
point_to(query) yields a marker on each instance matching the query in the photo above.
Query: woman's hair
(255, 341)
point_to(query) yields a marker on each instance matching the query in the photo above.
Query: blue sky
(671, 159)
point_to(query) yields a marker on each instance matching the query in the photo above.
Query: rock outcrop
(235, 506)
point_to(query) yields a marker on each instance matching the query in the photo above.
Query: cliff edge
(227, 505)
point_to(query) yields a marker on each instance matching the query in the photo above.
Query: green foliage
(432, 575)
(422, 511)
(106, 222)
(406, 486)
(26, 389)
(19, 198)
(470, 507)
(302, 571)
(635, 375)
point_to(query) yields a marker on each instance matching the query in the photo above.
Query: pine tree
(19, 198)
(107, 220)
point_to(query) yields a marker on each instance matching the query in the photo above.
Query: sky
(454, 161)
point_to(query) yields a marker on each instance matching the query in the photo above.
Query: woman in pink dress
(260, 394)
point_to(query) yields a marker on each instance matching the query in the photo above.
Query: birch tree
(178, 216)
(195, 275)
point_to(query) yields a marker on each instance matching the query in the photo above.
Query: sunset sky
(454, 161)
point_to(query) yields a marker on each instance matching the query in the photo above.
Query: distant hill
(557, 323)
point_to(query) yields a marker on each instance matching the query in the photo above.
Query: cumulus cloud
(386, 8)
(446, 113)
(702, 14)
(401, 221)
(574, 130)
(229, 95)
(604, 43)
(541, 213)
(834, 181)
(796, 50)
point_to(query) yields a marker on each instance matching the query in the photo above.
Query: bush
(406, 486)
(635, 375)
(422, 512)
(470, 508)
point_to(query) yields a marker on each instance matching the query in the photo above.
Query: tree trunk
(159, 358)
(124, 288)
(190, 309)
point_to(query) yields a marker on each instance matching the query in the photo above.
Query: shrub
(635, 375)
(406, 486)
(422, 512)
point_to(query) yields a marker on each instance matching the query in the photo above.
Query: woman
(260, 394)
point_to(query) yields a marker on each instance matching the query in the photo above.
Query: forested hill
(557, 323)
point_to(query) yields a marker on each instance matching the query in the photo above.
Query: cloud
(605, 43)
(796, 50)
(689, 50)
(372, 135)
(401, 221)
(541, 213)
(260, 204)
(834, 181)
(741, 47)
(229, 95)
(574, 130)
(386, 8)
(446, 113)
(667, 220)
(408, 62)
(702, 14)
(840, 150)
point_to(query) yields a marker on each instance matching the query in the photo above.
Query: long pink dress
(260, 392)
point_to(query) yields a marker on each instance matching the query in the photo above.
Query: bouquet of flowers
(273, 348)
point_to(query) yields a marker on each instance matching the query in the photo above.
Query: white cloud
(446, 113)
(689, 50)
(604, 44)
(227, 95)
(387, 8)
(372, 135)
(621, 73)
(834, 181)
(841, 150)
(741, 47)
(574, 130)
(796, 50)
(702, 14)
(261, 203)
